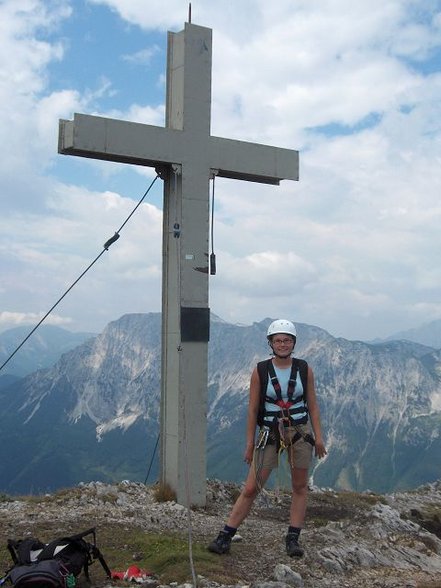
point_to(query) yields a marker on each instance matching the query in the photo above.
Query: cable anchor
(110, 241)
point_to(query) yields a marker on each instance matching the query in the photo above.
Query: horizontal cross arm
(141, 144)
(253, 162)
(119, 140)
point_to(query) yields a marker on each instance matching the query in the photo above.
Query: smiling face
(282, 344)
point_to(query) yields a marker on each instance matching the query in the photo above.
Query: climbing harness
(282, 426)
(286, 412)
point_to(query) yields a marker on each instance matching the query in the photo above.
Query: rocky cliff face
(95, 414)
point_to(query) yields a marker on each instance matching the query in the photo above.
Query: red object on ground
(132, 574)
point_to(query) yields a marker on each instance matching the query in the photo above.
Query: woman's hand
(320, 449)
(248, 455)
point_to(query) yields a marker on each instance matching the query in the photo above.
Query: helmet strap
(282, 356)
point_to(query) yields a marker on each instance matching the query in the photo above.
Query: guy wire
(151, 459)
(105, 248)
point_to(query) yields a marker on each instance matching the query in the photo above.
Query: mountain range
(427, 334)
(42, 349)
(94, 414)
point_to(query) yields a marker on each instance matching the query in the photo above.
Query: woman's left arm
(314, 413)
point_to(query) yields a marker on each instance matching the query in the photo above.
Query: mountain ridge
(380, 408)
(427, 334)
(42, 349)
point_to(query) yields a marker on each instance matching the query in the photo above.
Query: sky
(355, 87)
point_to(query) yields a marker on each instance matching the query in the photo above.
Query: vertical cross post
(185, 309)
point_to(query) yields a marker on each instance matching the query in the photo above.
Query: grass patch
(328, 506)
(64, 494)
(429, 517)
(164, 493)
(166, 555)
(357, 500)
(67, 495)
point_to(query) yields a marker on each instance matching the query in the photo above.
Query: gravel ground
(353, 540)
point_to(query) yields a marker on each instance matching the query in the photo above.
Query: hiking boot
(221, 544)
(293, 548)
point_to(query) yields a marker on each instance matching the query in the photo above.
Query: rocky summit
(355, 540)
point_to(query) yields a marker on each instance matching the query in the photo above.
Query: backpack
(262, 369)
(53, 565)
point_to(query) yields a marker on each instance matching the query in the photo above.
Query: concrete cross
(188, 156)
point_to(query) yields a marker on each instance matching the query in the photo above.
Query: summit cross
(187, 157)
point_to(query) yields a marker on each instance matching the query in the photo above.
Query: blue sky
(355, 87)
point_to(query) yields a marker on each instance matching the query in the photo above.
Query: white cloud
(52, 252)
(142, 57)
(239, 17)
(28, 113)
(352, 247)
(9, 320)
(143, 114)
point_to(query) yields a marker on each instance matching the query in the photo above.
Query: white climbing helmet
(281, 326)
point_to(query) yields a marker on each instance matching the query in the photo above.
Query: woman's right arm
(253, 410)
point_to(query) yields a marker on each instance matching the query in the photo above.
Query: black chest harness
(284, 409)
(284, 413)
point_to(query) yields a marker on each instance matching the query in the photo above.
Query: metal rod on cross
(187, 154)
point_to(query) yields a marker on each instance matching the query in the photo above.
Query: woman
(283, 403)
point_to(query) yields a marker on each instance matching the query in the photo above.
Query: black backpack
(53, 565)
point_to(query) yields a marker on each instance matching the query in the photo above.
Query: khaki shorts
(299, 454)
